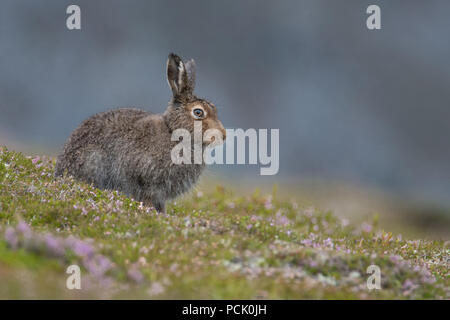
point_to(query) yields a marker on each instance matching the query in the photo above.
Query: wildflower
(23, 228)
(366, 227)
(428, 280)
(395, 258)
(328, 242)
(173, 267)
(309, 212)
(268, 203)
(80, 248)
(155, 289)
(281, 219)
(313, 264)
(53, 245)
(97, 265)
(142, 261)
(344, 222)
(135, 275)
(354, 275)
(11, 237)
(408, 286)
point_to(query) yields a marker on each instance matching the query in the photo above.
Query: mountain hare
(129, 150)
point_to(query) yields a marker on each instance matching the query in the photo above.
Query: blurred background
(364, 116)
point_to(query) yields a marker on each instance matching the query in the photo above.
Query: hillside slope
(210, 245)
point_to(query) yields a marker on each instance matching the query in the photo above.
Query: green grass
(212, 244)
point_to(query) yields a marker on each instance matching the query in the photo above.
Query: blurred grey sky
(369, 106)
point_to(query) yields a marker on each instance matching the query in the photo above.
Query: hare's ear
(177, 76)
(191, 69)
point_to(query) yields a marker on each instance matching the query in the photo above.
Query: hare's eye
(198, 113)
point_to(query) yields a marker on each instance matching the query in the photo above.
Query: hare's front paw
(159, 206)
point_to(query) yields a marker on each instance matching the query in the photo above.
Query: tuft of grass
(212, 245)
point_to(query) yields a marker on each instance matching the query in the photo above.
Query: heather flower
(80, 248)
(326, 280)
(155, 289)
(53, 245)
(268, 203)
(173, 267)
(428, 280)
(135, 275)
(23, 228)
(395, 259)
(142, 261)
(328, 242)
(344, 222)
(281, 219)
(11, 237)
(97, 265)
(308, 212)
(313, 264)
(366, 227)
(408, 285)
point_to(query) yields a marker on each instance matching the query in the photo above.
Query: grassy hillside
(211, 245)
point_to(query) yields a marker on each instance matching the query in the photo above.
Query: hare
(129, 150)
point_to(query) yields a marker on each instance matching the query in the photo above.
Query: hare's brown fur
(130, 149)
